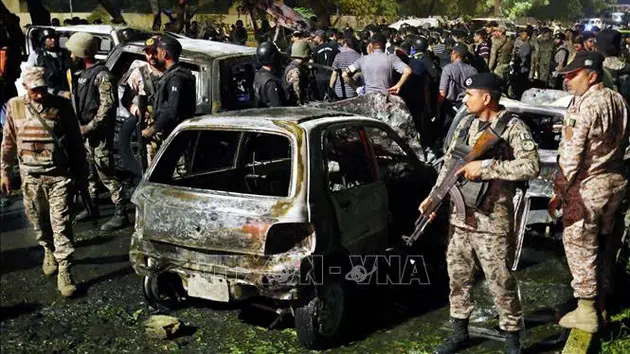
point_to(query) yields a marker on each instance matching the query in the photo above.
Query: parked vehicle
(224, 75)
(273, 203)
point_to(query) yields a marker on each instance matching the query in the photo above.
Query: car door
(358, 197)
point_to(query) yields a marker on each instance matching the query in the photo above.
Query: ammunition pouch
(474, 192)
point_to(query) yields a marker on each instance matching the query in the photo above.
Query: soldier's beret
(33, 77)
(151, 43)
(484, 81)
(585, 60)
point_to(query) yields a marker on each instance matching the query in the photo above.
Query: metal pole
(71, 12)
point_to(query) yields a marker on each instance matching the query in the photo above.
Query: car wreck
(271, 203)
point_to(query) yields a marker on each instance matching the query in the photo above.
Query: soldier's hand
(424, 206)
(148, 132)
(134, 110)
(5, 186)
(84, 130)
(554, 204)
(471, 171)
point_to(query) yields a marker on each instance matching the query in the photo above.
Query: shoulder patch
(529, 145)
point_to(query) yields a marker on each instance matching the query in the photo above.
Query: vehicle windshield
(229, 161)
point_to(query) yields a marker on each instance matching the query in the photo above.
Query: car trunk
(220, 191)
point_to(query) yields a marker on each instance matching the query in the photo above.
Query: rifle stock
(460, 156)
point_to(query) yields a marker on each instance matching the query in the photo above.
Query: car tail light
(282, 238)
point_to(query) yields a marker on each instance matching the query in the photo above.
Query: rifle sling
(61, 147)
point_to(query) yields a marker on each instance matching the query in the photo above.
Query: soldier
(590, 185)
(54, 60)
(33, 123)
(543, 55)
(142, 80)
(559, 61)
(589, 41)
(268, 88)
(296, 74)
(175, 99)
(616, 71)
(501, 53)
(522, 63)
(486, 232)
(95, 103)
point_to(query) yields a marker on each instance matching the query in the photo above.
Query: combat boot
(584, 317)
(65, 285)
(84, 214)
(512, 342)
(49, 266)
(458, 340)
(118, 221)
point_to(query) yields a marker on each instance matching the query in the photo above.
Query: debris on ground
(162, 327)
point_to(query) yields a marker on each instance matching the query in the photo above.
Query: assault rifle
(460, 156)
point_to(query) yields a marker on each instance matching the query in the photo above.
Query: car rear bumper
(204, 272)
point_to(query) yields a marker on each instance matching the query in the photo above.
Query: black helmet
(421, 44)
(47, 33)
(266, 53)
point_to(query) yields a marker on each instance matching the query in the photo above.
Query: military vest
(37, 150)
(473, 191)
(86, 93)
(263, 76)
(54, 68)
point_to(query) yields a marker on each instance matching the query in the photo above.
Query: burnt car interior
(237, 91)
(350, 164)
(229, 161)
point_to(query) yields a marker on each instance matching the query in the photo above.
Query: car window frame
(369, 153)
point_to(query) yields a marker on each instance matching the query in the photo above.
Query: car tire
(319, 319)
(127, 140)
(164, 292)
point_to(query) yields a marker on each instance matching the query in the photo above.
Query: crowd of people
(435, 71)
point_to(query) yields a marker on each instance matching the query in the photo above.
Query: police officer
(560, 59)
(522, 63)
(54, 60)
(175, 99)
(95, 102)
(268, 88)
(590, 184)
(452, 87)
(485, 233)
(142, 80)
(33, 124)
(296, 74)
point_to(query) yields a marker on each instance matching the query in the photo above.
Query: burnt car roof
(287, 114)
(209, 48)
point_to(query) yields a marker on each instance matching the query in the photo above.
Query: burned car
(272, 203)
(224, 76)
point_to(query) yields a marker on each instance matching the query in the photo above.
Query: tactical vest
(161, 95)
(86, 93)
(263, 76)
(473, 191)
(37, 150)
(54, 69)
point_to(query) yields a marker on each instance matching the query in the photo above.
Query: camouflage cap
(33, 77)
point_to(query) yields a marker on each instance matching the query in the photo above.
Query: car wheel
(164, 291)
(319, 319)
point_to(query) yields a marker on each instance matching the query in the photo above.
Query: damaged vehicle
(224, 75)
(273, 203)
(543, 111)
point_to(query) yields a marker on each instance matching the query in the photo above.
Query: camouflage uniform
(591, 184)
(543, 55)
(486, 234)
(99, 142)
(44, 168)
(136, 83)
(296, 78)
(501, 56)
